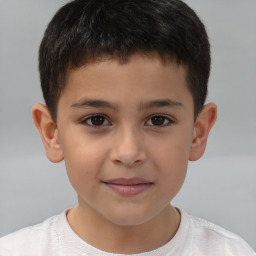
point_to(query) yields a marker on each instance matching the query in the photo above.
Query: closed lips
(127, 182)
(128, 187)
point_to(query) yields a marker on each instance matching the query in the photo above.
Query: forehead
(144, 59)
(151, 64)
(140, 77)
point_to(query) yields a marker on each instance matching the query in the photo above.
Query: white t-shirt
(54, 236)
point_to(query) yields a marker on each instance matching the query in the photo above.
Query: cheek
(171, 161)
(83, 160)
(173, 150)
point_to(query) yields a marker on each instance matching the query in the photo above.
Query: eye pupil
(158, 120)
(97, 120)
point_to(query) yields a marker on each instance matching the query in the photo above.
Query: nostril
(128, 163)
(118, 162)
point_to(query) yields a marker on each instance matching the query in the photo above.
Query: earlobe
(48, 132)
(203, 125)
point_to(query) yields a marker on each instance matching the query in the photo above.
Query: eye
(96, 121)
(159, 120)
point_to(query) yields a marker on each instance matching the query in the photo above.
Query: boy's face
(126, 133)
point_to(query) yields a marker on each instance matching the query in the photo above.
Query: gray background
(220, 187)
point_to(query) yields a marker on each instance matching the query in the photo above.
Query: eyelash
(167, 121)
(85, 120)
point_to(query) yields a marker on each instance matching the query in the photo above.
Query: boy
(125, 83)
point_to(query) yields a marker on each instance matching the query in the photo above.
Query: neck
(110, 237)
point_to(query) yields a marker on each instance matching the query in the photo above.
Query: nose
(128, 149)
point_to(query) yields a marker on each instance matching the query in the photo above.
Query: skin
(144, 129)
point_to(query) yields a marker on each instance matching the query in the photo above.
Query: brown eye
(159, 121)
(96, 120)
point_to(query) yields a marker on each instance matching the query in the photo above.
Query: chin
(129, 218)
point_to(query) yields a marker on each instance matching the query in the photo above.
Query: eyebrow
(97, 103)
(160, 103)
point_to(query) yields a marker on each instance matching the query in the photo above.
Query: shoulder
(208, 236)
(33, 240)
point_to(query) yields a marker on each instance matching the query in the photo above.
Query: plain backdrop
(220, 187)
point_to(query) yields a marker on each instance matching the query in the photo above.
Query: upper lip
(130, 181)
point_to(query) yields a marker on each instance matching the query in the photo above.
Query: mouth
(128, 187)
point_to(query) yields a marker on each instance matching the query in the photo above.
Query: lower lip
(129, 190)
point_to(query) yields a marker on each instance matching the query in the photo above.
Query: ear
(48, 132)
(203, 125)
